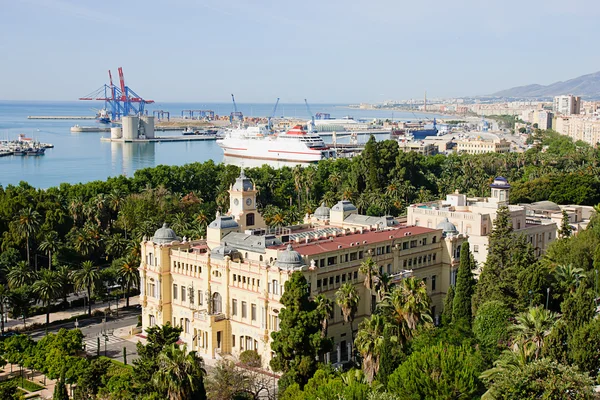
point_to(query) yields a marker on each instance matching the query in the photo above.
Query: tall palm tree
(63, 274)
(115, 245)
(325, 311)
(21, 275)
(128, 275)
(408, 306)
(50, 244)
(369, 341)
(370, 270)
(347, 299)
(568, 277)
(47, 288)
(383, 284)
(335, 178)
(28, 223)
(180, 374)
(533, 326)
(86, 278)
(180, 222)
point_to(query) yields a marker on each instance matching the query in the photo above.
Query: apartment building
(567, 105)
(480, 146)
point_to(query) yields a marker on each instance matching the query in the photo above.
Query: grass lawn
(27, 385)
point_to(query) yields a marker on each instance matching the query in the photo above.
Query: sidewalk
(66, 314)
(38, 378)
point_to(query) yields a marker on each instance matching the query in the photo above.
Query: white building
(567, 105)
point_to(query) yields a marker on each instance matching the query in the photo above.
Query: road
(94, 328)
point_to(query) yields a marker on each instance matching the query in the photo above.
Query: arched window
(216, 303)
(250, 219)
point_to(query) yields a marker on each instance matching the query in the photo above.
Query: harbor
(159, 139)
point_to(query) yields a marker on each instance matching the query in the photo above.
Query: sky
(329, 51)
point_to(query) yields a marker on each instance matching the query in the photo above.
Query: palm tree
(128, 275)
(383, 284)
(21, 275)
(568, 277)
(180, 375)
(115, 244)
(86, 278)
(325, 311)
(50, 244)
(63, 274)
(4, 299)
(28, 222)
(370, 270)
(369, 341)
(335, 178)
(533, 326)
(180, 223)
(347, 299)
(408, 306)
(47, 288)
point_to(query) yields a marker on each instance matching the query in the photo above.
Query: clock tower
(242, 204)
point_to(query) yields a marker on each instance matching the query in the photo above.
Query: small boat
(199, 132)
(18, 151)
(38, 151)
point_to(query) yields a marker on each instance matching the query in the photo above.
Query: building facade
(567, 105)
(474, 217)
(225, 291)
(480, 146)
(579, 128)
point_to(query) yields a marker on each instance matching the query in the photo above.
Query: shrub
(250, 358)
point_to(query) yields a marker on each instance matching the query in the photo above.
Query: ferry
(257, 142)
(199, 132)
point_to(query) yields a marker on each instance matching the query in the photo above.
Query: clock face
(236, 202)
(248, 201)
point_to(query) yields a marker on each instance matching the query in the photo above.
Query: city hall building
(225, 290)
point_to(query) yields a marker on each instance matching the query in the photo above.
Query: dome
(164, 235)
(344, 205)
(289, 259)
(243, 184)
(500, 182)
(224, 222)
(223, 251)
(447, 227)
(322, 212)
(545, 206)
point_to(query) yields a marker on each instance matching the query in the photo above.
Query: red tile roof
(327, 245)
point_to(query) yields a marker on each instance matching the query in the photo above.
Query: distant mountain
(587, 86)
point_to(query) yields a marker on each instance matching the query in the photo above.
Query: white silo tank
(116, 132)
(130, 127)
(148, 122)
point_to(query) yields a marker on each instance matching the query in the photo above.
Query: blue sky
(328, 51)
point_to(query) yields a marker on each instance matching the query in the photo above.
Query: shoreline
(446, 116)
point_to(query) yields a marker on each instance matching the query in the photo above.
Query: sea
(83, 157)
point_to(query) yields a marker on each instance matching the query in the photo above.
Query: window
(232, 340)
(413, 244)
(331, 260)
(200, 297)
(244, 311)
(345, 257)
(337, 279)
(250, 219)
(322, 263)
(476, 248)
(388, 249)
(433, 283)
(330, 280)
(433, 256)
(183, 293)
(234, 277)
(234, 307)
(360, 255)
(318, 283)
(355, 275)
(187, 325)
(424, 241)
(353, 256)
(434, 239)
(174, 292)
(389, 269)
(343, 278)
(152, 320)
(216, 306)
(405, 246)
(253, 312)
(275, 286)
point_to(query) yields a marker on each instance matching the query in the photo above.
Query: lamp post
(547, 297)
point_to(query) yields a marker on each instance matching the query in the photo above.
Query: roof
(164, 235)
(255, 243)
(357, 219)
(500, 182)
(344, 205)
(289, 258)
(224, 222)
(242, 183)
(327, 245)
(544, 205)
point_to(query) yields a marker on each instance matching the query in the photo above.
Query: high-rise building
(567, 105)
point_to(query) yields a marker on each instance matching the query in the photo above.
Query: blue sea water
(82, 157)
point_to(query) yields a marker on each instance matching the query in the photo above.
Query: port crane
(313, 127)
(120, 100)
(270, 125)
(235, 114)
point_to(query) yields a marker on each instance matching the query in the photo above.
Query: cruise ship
(256, 142)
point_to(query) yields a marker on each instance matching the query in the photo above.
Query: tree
(584, 349)
(298, 341)
(407, 307)
(63, 275)
(567, 278)
(448, 306)
(390, 356)
(325, 310)
(369, 269)
(4, 301)
(180, 374)
(86, 278)
(465, 284)
(347, 298)
(438, 372)
(28, 222)
(369, 343)
(47, 288)
(21, 300)
(60, 389)
(565, 227)
(541, 379)
(21, 275)
(129, 275)
(50, 244)
(533, 326)
(490, 327)
(225, 381)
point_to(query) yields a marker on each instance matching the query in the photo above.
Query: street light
(547, 297)
(76, 323)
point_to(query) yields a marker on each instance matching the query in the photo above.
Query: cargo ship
(416, 130)
(257, 142)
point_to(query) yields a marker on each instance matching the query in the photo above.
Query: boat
(19, 151)
(103, 116)
(200, 132)
(418, 130)
(257, 142)
(36, 151)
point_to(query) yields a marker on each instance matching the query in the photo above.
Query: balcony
(210, 318)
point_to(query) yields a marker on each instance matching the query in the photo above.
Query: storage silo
(116, 132)
(130, 127)
(148, 123)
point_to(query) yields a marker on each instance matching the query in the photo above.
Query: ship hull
(265, 149)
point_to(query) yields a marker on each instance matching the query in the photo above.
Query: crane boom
(235, 114)
(312, 117)
(273, 113)
(234, 105)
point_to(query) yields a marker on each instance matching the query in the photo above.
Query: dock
(78, 128)
(159, 139)
(58, 117)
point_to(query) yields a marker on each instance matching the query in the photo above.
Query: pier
(58, 117)
(158, 139)
(78, 128)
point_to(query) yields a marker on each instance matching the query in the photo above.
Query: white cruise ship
(295, 145)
